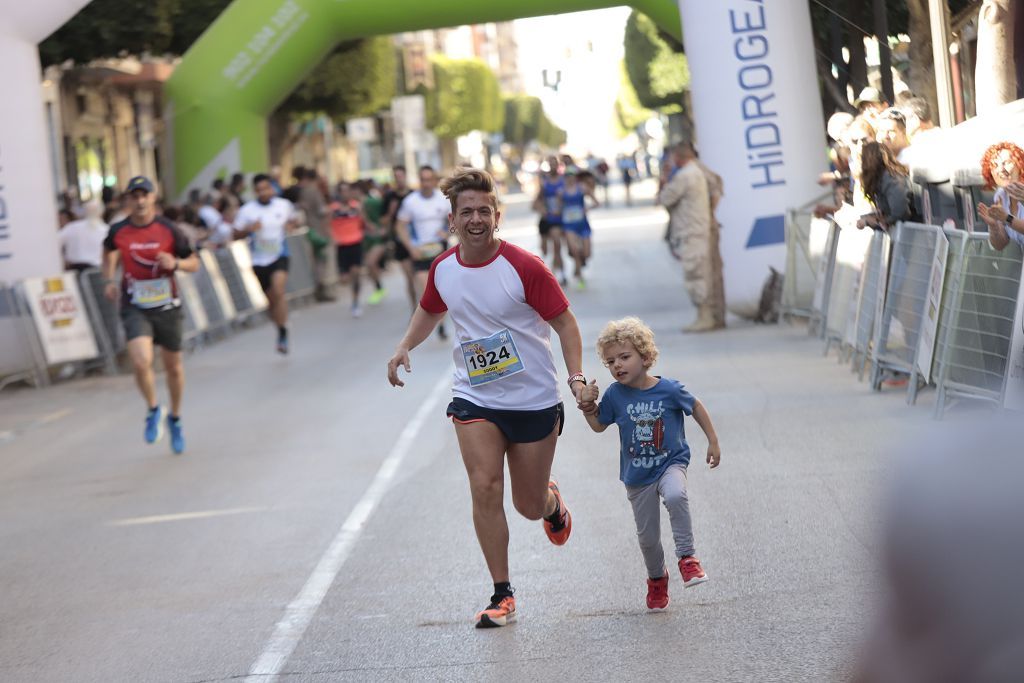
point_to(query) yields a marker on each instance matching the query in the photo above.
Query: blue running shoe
(154, 424)
(177, 435)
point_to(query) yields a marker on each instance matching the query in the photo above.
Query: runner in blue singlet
(574, 222)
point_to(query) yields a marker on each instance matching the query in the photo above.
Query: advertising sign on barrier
(930, 321)
(60, 318)
(240, 252)
(1013, 397)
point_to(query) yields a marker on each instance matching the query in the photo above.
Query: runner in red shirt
(348, 227)
(150, 250)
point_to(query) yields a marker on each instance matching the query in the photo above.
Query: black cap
(139, 182)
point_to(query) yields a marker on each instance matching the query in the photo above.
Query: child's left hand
(714, 454)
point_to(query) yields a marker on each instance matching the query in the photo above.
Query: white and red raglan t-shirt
(500, 310)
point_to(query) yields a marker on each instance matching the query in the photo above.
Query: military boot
(705, 321)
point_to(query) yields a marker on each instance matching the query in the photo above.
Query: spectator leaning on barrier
(886, 186)
(891, 131)
(870, 104)
(919, 118)
(857, 134)
(1001, 166)
(838, 155)
(81, 241)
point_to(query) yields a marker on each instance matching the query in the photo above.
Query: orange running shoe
(499, 613)
(657, 593)
(692, 572)
(558, 530)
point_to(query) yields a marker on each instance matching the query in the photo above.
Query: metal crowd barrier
(823, 281)
(840, 322)
(301, 273)
(16, 333)
(976, 341)
(805, 245)
(244, 307)
(196, 321)
(957, 241)
(871, 295)
(104, 318)
(896, 333)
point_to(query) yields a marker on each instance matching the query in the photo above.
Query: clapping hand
(1016, 190)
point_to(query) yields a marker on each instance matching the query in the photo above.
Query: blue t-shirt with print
(651, 429)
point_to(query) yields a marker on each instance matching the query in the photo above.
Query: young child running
(575, 225)
(649, 411)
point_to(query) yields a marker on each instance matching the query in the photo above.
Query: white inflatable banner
(28, 206)
(759, 125)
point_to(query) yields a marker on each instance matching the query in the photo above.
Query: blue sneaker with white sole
(177, 435)
(154, 424)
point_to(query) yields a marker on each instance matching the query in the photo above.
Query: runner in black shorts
(547, 203)
(150, 250)
(506, 406)
(265, 223)
(265, 274)
(392, 202)
(348, 228)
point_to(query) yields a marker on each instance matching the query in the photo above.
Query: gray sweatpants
(671, 489)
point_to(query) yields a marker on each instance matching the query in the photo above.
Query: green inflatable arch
(252, 57)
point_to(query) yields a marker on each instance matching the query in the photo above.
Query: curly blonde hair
(629, 330)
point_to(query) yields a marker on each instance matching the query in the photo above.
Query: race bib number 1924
(492, 358)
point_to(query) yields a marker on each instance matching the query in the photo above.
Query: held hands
(401, 358)
(714, 454)
(586, 397)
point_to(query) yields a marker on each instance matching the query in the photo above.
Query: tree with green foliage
(356, 79)
(629, 113)
(110, 28)
(526, 122)
(465, 97)
(655, 64)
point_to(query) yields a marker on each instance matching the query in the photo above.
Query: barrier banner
(1013, 397)
(60, 318)
(930, 321)
(243, 258)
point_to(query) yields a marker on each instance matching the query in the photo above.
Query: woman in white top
(1001, 166)
(503, 303)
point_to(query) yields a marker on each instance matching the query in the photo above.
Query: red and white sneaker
(692, 572)
(558, 530)
(657, 593)
(500, 613)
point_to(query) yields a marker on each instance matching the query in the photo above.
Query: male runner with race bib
(503, 302)
(150, 250)
(265, 221)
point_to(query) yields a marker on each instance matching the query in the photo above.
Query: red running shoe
(657, 593)
(558, 530)
(692, 572)
(498, 613)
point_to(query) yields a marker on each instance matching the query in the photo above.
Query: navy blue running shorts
(518, 426)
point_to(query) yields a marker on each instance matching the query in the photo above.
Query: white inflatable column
(28, 208)
(759, 124)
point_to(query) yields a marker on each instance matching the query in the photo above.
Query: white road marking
(299, 613)
(157, 519)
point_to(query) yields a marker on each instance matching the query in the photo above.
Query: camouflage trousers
(702, 269)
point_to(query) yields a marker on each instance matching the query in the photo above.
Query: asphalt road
(279, 544)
